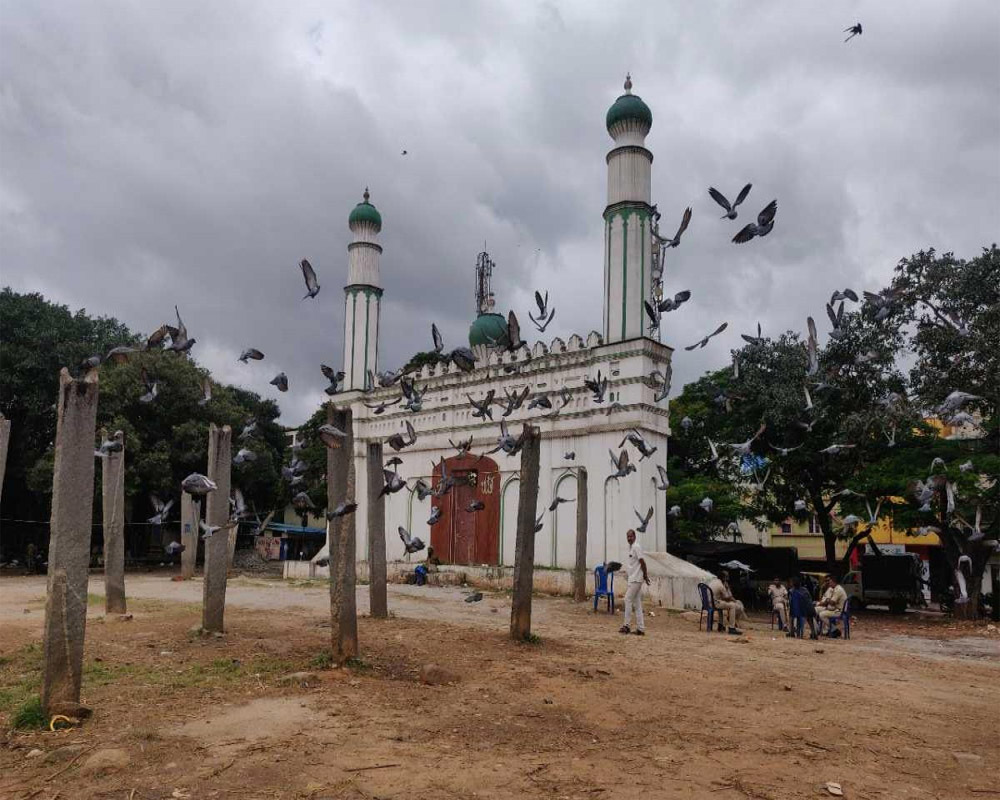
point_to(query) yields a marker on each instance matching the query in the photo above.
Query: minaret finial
(628, 83)
(366, 195)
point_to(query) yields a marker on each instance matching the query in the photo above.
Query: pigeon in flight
(435, 516)
(566, 397)
(706, 504)
(599, 386)
(954, 401)
(108, 446)
(198, 485)
(854, 30)
(836, 320)
(800, 506)
(664, 482)
(834, 449)
(636, 439)
(393, 482)
(545, 315)
(251, 353)
(506, 441)
(685, 221)
(742, 448)
(379, 408)
(244, 455)
(206, 392)
(643, 520)
(669, 304)
(714, 450)
(763, 226)
(514, 401)
(703, 342)
(120, 354)
(751, 339)
(160, 510)
(812, 348)
(173, 548)
(569, 455)
(556, 501)
(621, 464)
(309, 274)
(720, 198)
(156, 338)
(686, 424)
(208, 531)
(411, 544)
(675, 511)
(302, 502)
(179, 341)
(248, 430)
(397, 441)
(414, 397)
(422, 490)
(335, 378)
(540, 401)
(281, 381)
(475, 506)
(463, 447)
(463, 358)
(846, 294)
(484, 407)
(152, 387)
(343, 508)
(784, 450)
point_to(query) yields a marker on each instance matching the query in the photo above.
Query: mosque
(580, 436)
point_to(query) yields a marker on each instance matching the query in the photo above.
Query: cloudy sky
(192, 153)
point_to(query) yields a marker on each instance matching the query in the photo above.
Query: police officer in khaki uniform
(779, 602)
(831, 605)
(728, 605)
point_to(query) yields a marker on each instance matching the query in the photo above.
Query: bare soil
(909, 707)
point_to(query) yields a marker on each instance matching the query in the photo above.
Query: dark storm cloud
(193, 153)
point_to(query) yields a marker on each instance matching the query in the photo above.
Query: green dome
(365, 212)
(629, 106)
(488, 329)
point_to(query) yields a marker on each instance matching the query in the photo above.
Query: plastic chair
(844, 619)
(707, 606)
(604, 586)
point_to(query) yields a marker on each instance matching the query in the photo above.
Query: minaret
(363, 295)
(627, 234)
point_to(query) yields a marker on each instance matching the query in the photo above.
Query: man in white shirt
(635, 570)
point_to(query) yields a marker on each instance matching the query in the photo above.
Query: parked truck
(889, 580)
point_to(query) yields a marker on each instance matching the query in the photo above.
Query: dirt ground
(909, 707)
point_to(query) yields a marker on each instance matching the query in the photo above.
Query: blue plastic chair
(604, 586)
(844, 619)
(707, 606)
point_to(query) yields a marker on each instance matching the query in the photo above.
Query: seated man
(831, 605)
(779, 602)
(727, 605)
(801, 598)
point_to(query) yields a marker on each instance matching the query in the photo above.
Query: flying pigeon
(108, 446)
(954, 401)
(621, 464)
(422, 490)
(208, 531)
(120, 354)
(393, 483)
(800, 506)
(397, 441)
(249, 429)
(720, 198)
(463, 447)
(675, 511)
(483, 408)
(540, 401)
(598, 385)
(846, 294)
(244, 455)
(474, 506)
(173, 548)
(152, 387)
(636, 439)
(302, 502)
(435, 515)
(343, 508)
(704, 341)
(812, 348)
(685, 221)
(751, 339)
(784, 450)
(545, 315)
(414, 397)
(331, 435)
(734, 564)
(160, 508)
(556, 502)
(763, 226)
(380, 407)
(411, 544)
(569, 455)
(198, 485)
(834, 449)
(250, 352)
(744, 447)
(179, 341)
(206, 392)
(643, 520)
(664, 482)
(706, 504)
(309, 274)
(854, 30)
(281, 381)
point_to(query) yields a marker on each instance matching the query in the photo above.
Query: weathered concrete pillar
(377, 592)
(524, 545)
(69, 543)
(580, 568)
(4, 441)
(217, 513)
(340, 479)
(231, 544)
(190, 514)
(113, 511)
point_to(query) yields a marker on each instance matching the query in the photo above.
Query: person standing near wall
(635, 570)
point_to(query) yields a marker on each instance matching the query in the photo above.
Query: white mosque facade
(580, 436)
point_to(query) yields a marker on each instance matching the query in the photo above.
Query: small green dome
(365, 212)
(629, 106)
(488, 329)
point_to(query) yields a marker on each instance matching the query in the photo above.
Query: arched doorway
(612, 494)
(563, 527)
(463, 537)
(508, 519)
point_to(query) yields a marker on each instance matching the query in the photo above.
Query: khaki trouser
(633, 603)
(827, 614)
(728, 609)
(782, 608)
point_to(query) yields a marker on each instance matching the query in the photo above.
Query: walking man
(635, 569)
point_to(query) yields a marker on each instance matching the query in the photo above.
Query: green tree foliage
(165, 440)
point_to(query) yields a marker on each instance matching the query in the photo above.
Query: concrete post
(524, 546)
(69, 543)
(340, 481)
(580, 567)
(231, 544)
(113, 511)
(377, 591)
(217, 513)
(4, 441)
(190, 514)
